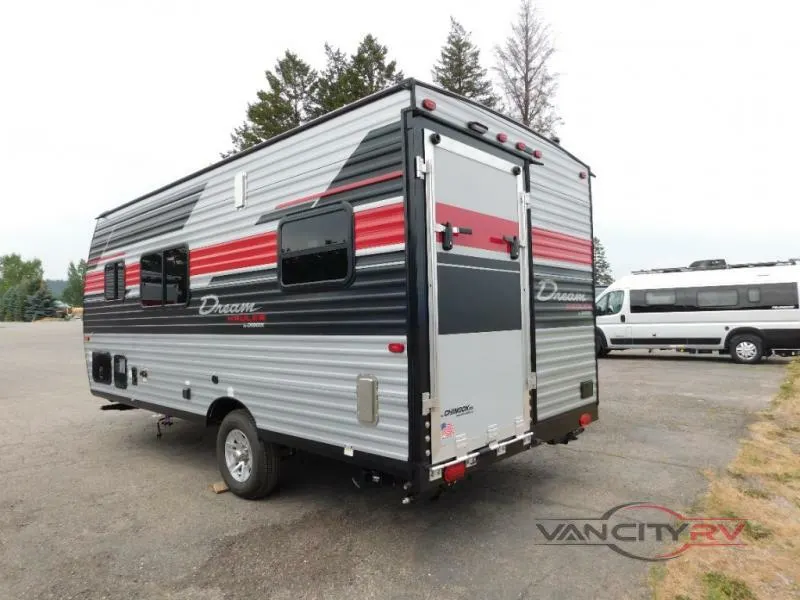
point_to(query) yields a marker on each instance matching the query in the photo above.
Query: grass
(762, 485)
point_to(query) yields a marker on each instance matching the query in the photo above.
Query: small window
(165, 277)
(101, 367)
(754, 295)
(115, 280)
(717, 298)
(316, 247)
(611, 303)
(660, 298)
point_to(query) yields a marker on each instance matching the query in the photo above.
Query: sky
(686, 111)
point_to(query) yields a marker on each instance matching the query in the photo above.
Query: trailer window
(165, 277)
(660, 298)
(115, 280)
(717, 298)
(316, 247)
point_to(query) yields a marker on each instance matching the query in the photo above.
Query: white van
(747, 310)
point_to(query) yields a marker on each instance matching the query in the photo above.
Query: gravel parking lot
(95, 506)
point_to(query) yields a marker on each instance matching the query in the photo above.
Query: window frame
(119, 294)
(350, 245)
(161, 252)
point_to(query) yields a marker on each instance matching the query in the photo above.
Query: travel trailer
(404, 284)
(746, 310)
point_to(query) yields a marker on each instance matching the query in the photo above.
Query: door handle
(448, 230)
(515, 245)
(622, 318)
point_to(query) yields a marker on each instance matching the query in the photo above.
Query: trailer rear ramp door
(478, 293)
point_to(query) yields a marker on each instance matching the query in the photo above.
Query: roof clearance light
(428, 104)
(502, 138)
(521, 146)
(455, 472)
(582, 175)
(537, 154)
(478, 127)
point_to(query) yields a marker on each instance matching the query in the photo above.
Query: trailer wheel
(248, 465)
(747, 349)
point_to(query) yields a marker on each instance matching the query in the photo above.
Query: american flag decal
(447, 430)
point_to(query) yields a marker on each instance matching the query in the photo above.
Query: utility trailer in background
(404, 284)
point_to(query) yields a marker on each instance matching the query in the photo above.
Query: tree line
(523, 86)
(26, 296)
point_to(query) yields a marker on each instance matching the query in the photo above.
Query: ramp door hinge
(427, 403)
(422, 167)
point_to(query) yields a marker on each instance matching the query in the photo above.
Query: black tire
(747, 349)
(600, 345)
(264, 458)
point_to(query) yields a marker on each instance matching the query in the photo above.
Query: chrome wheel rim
(746, 350)
(238, 455)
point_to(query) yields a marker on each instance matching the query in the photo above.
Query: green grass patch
(721, 587)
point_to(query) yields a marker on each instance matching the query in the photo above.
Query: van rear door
(478, 265)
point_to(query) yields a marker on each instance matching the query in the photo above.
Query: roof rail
(716, 264)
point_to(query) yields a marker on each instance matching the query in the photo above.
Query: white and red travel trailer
(404, 284)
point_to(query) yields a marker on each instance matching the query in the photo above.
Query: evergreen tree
(39, 305)
(459, 68)
(18, 303)
(5, 306)
(286, 103)
(73, 292)
(348, 79)
(602, 268)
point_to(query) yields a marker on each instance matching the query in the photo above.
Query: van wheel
(600, 345)
(747, 349)
(248, 465)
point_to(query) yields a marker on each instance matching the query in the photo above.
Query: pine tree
(40, 304)
(287, 103)
(459, 69)
(73, 292)
(602, 268)
(348, 79)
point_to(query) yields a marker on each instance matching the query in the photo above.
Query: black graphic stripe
(665, 341)
(477, 300)
(448, 258)
(374, 303)
(145, 222)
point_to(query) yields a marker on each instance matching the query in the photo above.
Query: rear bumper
(559, 429)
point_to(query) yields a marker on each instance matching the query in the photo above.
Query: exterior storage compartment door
(478, 294)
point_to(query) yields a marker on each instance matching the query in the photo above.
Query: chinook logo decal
(210, 305)
(547, 290)
(459, 411)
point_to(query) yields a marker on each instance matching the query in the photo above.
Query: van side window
(114, 288)
(754, 295)
(165, 277)
(660, 297)
(316, 247)
(717, 298)
(611, 303)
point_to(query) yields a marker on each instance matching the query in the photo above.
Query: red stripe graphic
(382, 226)
(251, 251)
(94, 282)
(132, 274)
(551, 245)
(487, 230)
(343, 188)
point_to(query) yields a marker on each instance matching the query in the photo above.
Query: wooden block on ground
(219, 487)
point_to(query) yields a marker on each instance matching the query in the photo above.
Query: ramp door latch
(514, 246)
(448, 230)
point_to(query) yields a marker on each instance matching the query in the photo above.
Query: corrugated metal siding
(299, 384)
(296, 385)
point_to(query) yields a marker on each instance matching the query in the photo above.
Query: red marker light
(521, 146)
(585, 419)
(397, 348)
(537, 154)
(455, 472)
(428, 104)
(502, 138)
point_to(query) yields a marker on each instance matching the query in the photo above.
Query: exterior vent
(711, 263)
